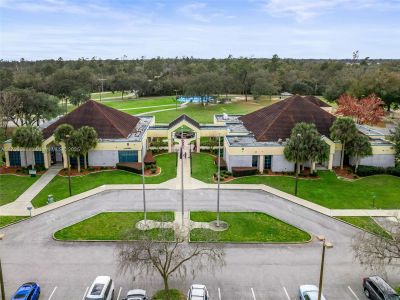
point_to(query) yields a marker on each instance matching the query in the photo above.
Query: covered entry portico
(199, 130)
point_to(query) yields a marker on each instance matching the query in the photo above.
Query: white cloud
(195, 11)
(303, 10)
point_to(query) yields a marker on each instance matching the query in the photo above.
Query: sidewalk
(19, 206)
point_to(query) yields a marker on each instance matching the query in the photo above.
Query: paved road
(65, 270)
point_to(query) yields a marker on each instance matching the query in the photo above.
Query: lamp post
(325, 245)
(69, 164)
(297, 166)
(219, 179)
(3, 293)
(143, 185)
(183, 196)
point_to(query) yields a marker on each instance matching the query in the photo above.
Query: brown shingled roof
(184, 117)
(108, 122)
(277, 120)
(317, 101)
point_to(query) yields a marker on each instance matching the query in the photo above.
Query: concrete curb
(362, 229)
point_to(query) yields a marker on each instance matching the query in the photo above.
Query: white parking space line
(52, 293)
(119, 293)
(354, 294)
(83, 298)
(287, 295)
(254, 296)
(219, 294)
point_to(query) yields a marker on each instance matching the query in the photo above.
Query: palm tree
(27, 137)
(296, 150)
(343, 130)
(75, 143)
(89, 141)
(359, 147)
(319, 152)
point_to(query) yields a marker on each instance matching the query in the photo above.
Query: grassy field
(58, 187)
(368, 224)
(114, 226)
(334, 193)
(248, 227)
(205, 114)
(12, 186)
(142, 102)
(5, 220)
(203, 167)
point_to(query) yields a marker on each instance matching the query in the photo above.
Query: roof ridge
(278, 115)
(100, 108)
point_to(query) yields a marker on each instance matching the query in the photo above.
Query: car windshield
(19, 296)
(97, 289)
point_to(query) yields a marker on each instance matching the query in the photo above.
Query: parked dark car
(27, 291)
(376, 288)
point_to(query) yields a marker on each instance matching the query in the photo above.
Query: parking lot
(66, 269)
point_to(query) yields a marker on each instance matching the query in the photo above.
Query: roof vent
(225, 116)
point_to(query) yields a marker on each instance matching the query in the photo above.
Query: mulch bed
(13, 170)
(346, 172)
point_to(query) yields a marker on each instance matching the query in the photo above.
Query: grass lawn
(143, 102)
(203, 167)
(205, 114)
(113, 226)
(248, 227)
(173, 294)
(334, 193)
(5, 220)
(368, 224)
(58, 187)
(12, 186)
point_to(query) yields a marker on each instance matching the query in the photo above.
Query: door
(267, 162)
(254, 161)
(15, 158)
(127, 156)
(39, 158)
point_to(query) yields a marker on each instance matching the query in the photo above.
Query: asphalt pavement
(253, 271)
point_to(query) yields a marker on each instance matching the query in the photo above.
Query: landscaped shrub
(370, 170)
(222, 163)
(244, 171)
(130, 167)
(153, 170)
(395, 171)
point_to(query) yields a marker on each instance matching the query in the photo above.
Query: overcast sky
(71, 29)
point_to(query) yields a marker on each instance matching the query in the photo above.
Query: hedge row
(370, 170)
(244, 171)
(130, 167)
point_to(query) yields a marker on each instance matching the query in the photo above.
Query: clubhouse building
(253, 140)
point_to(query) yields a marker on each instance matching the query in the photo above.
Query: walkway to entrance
(24, 201)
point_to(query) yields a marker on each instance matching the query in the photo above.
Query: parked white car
(136, 295)
(198, 292)
(102, 288)
(309, 292)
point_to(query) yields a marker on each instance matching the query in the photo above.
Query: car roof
(94, 291)
(136, 292)
(198, 286)
(311, 291)
(383, 285)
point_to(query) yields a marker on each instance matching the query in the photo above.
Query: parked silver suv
(376, 288)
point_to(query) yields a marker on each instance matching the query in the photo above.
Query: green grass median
(203, 167)
(367, 224)
(248, 227)
(114, 226)
(12, 186)
(7, 220)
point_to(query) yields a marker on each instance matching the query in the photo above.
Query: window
(15, 158)
(127, 156)
(267, 162)
(39, 158)
(254, 162)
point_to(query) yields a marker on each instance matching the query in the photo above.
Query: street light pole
(182, 204)
(3, 293)
(219, 179)
(69, 164)
(325, 245)
(143, 184)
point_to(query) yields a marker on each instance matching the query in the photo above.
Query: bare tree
(9, 105)
(168, 258)
(377, 252)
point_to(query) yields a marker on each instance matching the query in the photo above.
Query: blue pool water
(194, 99)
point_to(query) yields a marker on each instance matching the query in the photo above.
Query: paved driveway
(66, 269)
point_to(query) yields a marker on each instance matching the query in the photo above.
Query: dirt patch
(17, 171)
(346, 172)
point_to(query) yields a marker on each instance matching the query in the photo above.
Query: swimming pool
(194, 99)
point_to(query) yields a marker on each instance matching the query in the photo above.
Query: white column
(261, 162)
(7, 159)
(46, 158)
(169, 144)
(64, 154)
(330, 163)
(197, 143)
(139, 156)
